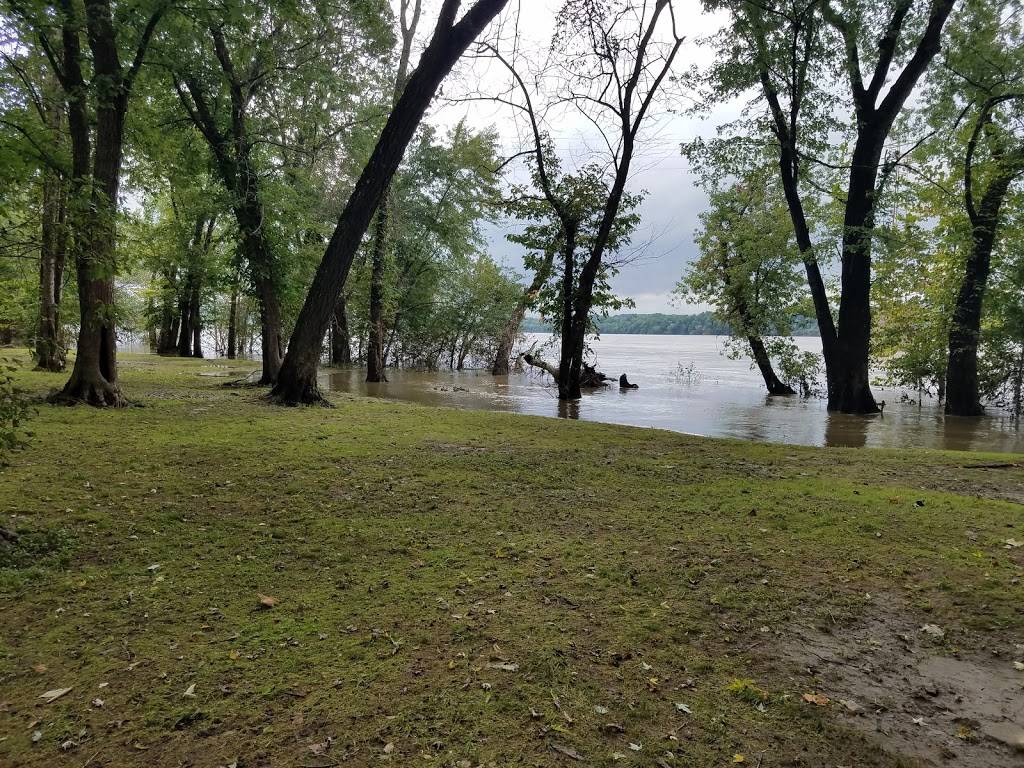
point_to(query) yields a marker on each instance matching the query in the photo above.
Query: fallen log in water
(589, 377)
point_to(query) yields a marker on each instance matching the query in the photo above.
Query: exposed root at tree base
(99, 394)
(303, 394)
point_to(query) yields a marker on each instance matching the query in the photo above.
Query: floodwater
(688, 385)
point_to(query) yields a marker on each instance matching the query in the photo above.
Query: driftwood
(589, 377)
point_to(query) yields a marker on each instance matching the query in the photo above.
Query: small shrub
(15, 410)
(748, 691)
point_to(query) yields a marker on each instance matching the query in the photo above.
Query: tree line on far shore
(662, 324)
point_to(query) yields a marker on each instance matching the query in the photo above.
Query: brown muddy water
(688, 385)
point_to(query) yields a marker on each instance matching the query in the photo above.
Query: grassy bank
(221, 581)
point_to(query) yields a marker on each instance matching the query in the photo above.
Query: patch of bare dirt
(904, 684)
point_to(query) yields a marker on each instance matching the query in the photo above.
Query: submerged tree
(985, 75)
(297, 379)
(789, 52)
(615, 61)
(747, 269)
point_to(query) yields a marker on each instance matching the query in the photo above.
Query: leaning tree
(297, 379)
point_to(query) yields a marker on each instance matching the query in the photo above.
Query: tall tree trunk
(962, 394)
(233, 323)
(183, 347)
(297, 379)
(272, 335)
(963, 397)
(764, 364)
(376, 357)
(197, 329)
(49, 341)
(341, 349)
(852, 391)
(94, 376)
(568, 387)
(375, 350)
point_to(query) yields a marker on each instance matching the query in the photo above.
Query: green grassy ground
(456, 588)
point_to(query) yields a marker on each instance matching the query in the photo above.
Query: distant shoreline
(660, 324)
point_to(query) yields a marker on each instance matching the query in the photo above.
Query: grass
(456, 588)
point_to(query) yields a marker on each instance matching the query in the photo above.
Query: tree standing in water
(297, 379)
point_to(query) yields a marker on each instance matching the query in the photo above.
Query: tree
(986, 71)
(96, 108)
(616, 61)
(34, 151)
(541, 266)
(747, 267)
(297, 379)
(409, 19)
(559, 242)
(788, 50)
(230, 87)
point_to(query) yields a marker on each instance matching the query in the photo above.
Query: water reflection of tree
(568, 409)
(843, 431)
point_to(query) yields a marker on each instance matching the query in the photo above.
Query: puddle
(906, 689)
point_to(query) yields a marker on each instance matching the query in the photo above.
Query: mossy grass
(219, 580)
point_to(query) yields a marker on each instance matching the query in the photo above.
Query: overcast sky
(672, 201)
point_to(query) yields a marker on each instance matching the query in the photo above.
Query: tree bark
(508, 335)
(297, 379)
(962, 394)
(197, 328)
(375, 348)
(94, 191)
(963, 397)
(341, 348)
(49, 342)
(764, 364)
(233, 323)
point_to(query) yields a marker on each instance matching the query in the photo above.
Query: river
(686, 384)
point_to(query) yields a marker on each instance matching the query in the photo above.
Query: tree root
(298, 393)
(99, 394)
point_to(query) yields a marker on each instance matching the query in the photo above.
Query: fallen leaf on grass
(566, 750)
(389, 748)
(268, 601)
(190, 692)
(39, 668)
(684, 708)
(816, 698)
(933, 630)
(321, 747)
(738, 758)
(56, 693)
(507, 666)
(1013, 544)
(1019, 666)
